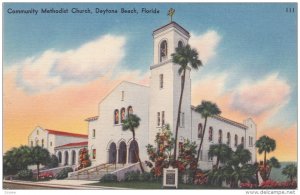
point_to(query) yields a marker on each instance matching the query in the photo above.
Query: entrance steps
(94, 172)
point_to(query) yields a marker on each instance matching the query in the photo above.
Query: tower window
(158, 119)
(130, 110)
(122, 114)
(163, 118)
(50, 143)
(94, 154)
(161, 81)
(94, 133)
(163, 50)
(122, 95)
(181, 121)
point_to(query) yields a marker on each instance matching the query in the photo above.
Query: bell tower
(165, 83)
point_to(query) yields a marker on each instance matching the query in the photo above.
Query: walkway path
(63, 184)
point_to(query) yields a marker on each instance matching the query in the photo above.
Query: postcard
(150, 96)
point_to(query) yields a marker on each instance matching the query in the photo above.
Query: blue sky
(256, 39)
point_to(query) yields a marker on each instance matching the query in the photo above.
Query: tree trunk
(264, 176)
(178, 115)
(38, 171)
(136, 154)
(217, 163)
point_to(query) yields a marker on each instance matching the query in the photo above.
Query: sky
(58, 67)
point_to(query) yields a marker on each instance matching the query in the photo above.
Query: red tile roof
(73, 144)
(55, 132)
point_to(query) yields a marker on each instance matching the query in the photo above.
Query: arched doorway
(66, 158)
(59, 156)
(73, 157)
(133, 152)
(112, 153)
(122, 153)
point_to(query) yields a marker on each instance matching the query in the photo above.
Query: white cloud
(267, 94)
(206, 44)
(88, 62)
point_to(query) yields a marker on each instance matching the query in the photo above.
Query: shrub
(109, 178)
(53, 162)
(25, 174)
(146, 177)
(63, 173)
(47, 175)
(132, 176)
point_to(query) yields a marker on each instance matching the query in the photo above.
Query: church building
(156, 105)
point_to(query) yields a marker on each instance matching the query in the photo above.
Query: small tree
(290, 171)
(39, 156)
(132, 122)
(272, 163)
(84, 159)
(221, 151)
(162, 155)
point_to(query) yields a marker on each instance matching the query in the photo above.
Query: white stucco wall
(107, 132)
(38, 134)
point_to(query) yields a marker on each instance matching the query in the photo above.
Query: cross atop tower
(171, 13)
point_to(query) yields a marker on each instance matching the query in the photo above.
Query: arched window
(130, 110)
(235, 140)
(133, 152)
(122, 114)
(116, 115)
(180, 44)
(200, 133)
(31, 143)
(242, 141)
(94, 133)
(122, 153)
(220, 136)
(59, 157)
(112, 153)
(163, 50)
(73, 157)
(228, 139)
(37, 132)
(42, 143)
(210, 134)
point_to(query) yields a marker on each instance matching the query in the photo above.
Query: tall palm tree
(221, 151)
(206, 109)
(39, 156)
(273, 163)
(185, 57)
(265, 145)
(132, 122)
(290, 171)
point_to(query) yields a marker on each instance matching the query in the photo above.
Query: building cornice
(172, 25)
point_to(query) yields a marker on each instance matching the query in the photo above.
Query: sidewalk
(66, 184)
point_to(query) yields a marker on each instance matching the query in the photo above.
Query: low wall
(120, 173)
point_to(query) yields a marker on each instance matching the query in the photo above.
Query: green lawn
(151, 185)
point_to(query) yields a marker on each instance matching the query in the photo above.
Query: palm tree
(221, 151)
(132, 122)
(185, 57)
(237, 169)
(206, 109)
(273, 162)
(39, 156)
(290, 171)
(265, 145)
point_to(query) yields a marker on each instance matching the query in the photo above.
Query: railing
(98, 169)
